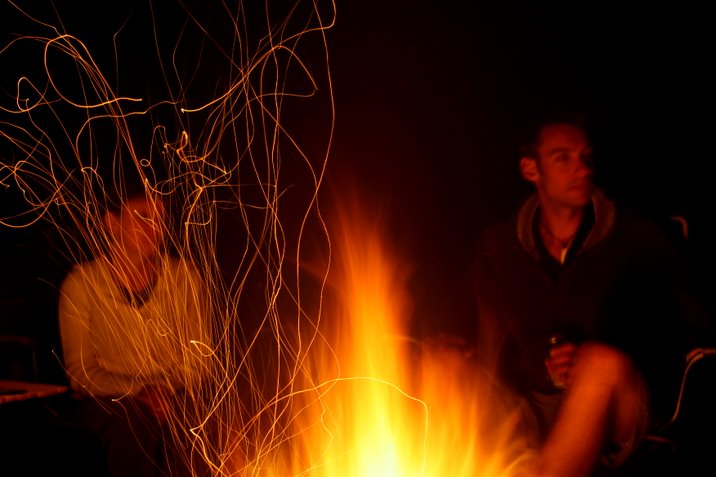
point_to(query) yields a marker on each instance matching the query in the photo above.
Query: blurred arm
(82, 366)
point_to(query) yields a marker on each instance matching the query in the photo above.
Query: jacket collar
(604, 213)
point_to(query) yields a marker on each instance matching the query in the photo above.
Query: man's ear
(528, 169)
(111, 223)
(161, 210)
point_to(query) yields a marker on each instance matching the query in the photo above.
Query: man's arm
(195, 342)
(81, 363)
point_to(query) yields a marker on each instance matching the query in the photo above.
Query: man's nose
(585, 165)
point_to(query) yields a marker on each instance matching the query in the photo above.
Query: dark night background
(428, 97)
(427, 101)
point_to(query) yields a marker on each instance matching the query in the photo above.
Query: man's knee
(599, 362)
(611, 370)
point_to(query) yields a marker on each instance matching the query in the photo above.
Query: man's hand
(156, 398)
(447, 342)
(559, 363)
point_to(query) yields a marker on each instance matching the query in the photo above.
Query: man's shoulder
(90, 270)
(180, 268)
(512, 229)
(641, 236)
(84, 280)
(499, 232)
(498, 236)
(632, 222)
(180, 264)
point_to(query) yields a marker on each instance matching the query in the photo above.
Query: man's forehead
(561, 137)
(142, 203)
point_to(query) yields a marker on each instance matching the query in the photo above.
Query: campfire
(370, 401)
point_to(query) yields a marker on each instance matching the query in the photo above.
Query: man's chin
(581, 196)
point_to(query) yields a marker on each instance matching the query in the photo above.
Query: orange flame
(375, 403)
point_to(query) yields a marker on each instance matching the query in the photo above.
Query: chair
(18, 358)
(692, 425)
(692, 358)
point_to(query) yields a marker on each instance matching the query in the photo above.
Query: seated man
(588, 307)
(134, 334)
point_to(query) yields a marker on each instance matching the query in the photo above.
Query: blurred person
(133, 324)
(583, 309)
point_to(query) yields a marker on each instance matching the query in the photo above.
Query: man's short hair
(122, 187)
(533, 124)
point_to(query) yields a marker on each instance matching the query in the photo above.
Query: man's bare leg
(604, 403)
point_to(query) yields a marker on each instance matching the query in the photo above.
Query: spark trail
(69, 136)
(305, 372)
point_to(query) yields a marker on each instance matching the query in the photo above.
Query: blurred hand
(559, 363)
(447, 342)
(156, 398)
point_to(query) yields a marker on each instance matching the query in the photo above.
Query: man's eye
(142, 214)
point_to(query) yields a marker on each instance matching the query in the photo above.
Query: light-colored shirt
(113, 348)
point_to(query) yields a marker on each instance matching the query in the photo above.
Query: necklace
(137, 298)
(563, 244)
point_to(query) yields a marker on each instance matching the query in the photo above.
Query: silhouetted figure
(135, 336)
(583, 308)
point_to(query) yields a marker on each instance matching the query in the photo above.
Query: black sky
(428, 98)
(428, 95)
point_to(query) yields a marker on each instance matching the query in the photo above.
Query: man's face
(562, 171)
(137, 229)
